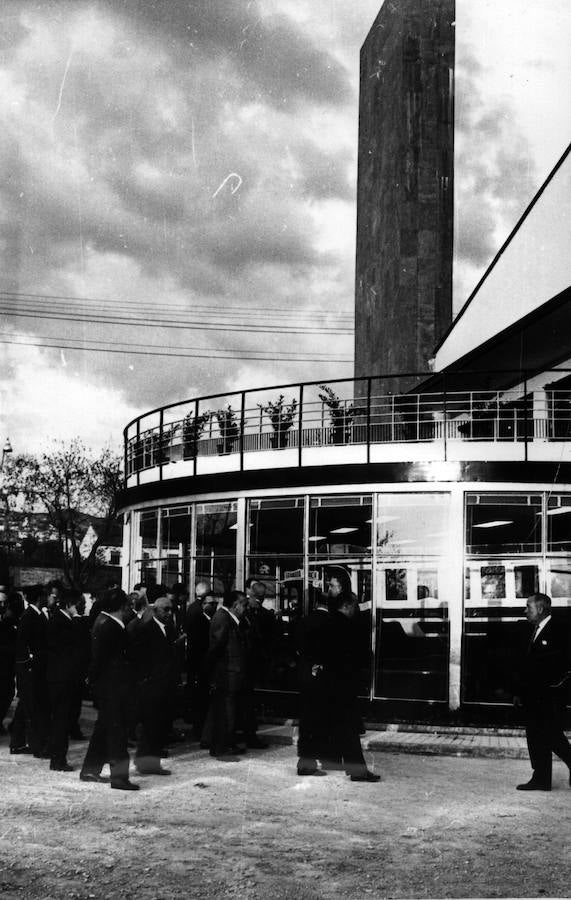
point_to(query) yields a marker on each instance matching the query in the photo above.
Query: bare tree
(71, 485)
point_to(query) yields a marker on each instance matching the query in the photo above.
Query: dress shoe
(61, 767)
(153, 770)
(317, 772)
(123, 784)
(42, 755)
(257, 744)
(16, 751)
(225, 757)
(235, 750)
(93, 778)
(533, 786)
(366, 776)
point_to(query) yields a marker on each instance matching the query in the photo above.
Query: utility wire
(190, 324)
(240, 351)
(202, 308)
(208, 355)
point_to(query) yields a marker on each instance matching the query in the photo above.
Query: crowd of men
(129, 653)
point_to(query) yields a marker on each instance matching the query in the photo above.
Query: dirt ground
(433, 827)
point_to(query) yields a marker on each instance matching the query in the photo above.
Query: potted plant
(229, 429)
(192, 430)
(281, 416)
(341, 414)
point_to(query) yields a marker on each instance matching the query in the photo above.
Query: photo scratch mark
(233, 188)
(62, 85)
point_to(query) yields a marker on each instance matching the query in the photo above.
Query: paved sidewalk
(490, 743)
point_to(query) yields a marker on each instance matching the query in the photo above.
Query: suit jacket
(154, 658)
(226, 659)
(315, 643)
(63, 657)
(197, 639)
(109, 669)
(32, 640)
(261, 632)
(545, 663)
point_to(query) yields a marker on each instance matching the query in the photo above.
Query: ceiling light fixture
(496, 523)
(344, 530)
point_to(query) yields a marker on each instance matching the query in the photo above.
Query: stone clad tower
(403, 296)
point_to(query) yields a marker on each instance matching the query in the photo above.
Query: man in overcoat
(542, 692)
(226, 665)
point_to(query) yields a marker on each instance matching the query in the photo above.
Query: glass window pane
(176, 529)
(276, 526)
(559, 523)
(148, 532)
(218, 571)
(500, 524)
(340, 526)
(413, 524)
(412, 631)
(216, 526)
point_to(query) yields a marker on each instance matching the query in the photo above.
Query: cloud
(45, 400)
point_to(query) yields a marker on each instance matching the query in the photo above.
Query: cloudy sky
(172, 166)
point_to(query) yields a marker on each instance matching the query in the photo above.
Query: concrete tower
(403, 297)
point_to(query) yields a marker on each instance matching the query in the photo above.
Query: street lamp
(6, 449)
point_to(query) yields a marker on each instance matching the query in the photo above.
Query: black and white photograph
(288, 616)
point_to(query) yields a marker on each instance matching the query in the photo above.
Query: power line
(209, 355)
(240, 351)
(190, 325)
(202, 308)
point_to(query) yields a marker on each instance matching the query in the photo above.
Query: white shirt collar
(35, 608)
(161, 626)
(109, 616)
(66, 614)
(231, 614)
(541, 626)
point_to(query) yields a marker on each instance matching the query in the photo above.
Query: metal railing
(347, 412)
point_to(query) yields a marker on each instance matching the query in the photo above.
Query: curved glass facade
(439, 573)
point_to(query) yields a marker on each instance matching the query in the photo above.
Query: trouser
(198, 699)
(75, 710)
(346, 743)
(108, 742)
(225, 705)
(155, 717)
(7, 691)
(34, 697)
(545, 736)
(314, 725)
(18, 728)
(61, 699)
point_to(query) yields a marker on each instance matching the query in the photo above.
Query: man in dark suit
(542, 693)
(197, 629)
(261, 633)
(82, 631)
(111, 681)
(10, 615)
(154, 654)
(64, 677)
(226, 665)
(31, 660)
(314, 647)
(344, 684)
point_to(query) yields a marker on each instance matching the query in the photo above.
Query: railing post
(161, 445)
(300, 428)
(445, 415)
(525, 421)
(242, 426)
(138, 446)
(196, 439)
(369, 381)
(125, 457)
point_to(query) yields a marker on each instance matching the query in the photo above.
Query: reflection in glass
(500, 524)
(413, 524)
(216, 529)
(412, 632)
(559, 523)
(340, 526)
(218, 571)
(148, 531)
